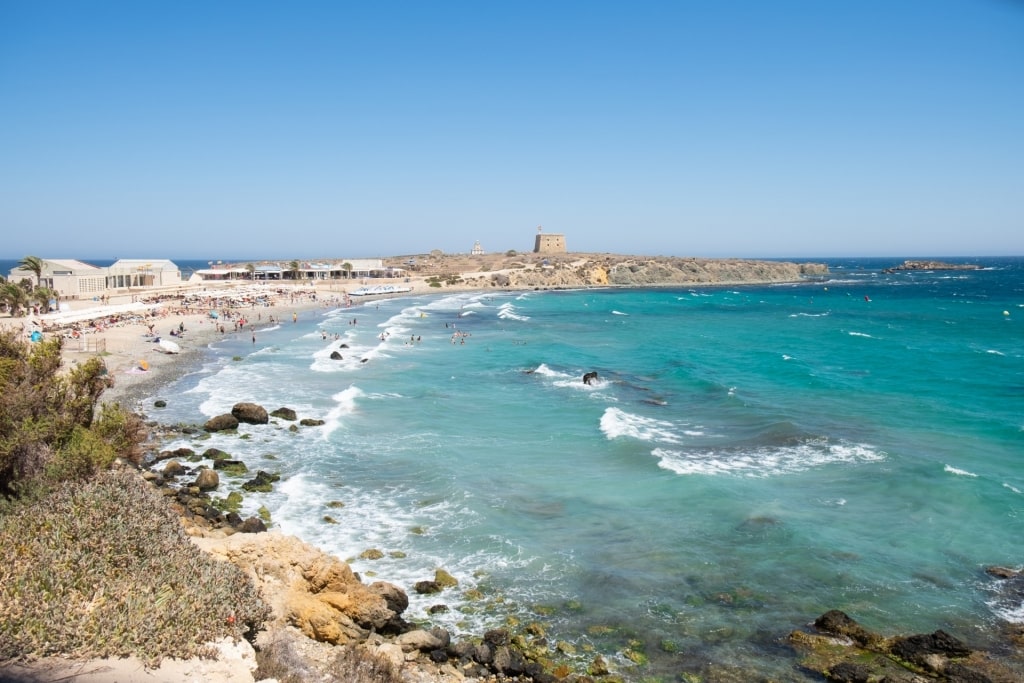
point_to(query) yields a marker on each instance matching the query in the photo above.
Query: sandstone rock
(394, 597)
(250, 413)
(207, 480)
(173, 469)
(221, 423)
(418, 640)
(317, 593)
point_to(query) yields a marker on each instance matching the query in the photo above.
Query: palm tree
(294, 268)
(347, 267)
(33, 264)
(252, 270)
(42, 296)
(13, 297)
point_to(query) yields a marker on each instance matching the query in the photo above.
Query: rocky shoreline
(319, 603)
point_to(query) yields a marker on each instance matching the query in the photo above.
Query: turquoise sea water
(749, 458)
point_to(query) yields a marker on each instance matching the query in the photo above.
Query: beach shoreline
(122, 328)
(125, 329)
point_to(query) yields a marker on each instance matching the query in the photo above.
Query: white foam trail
(614, 312)
(507, 311)
(346, 405)
(1012, 488)
(617, 423)
(765, 461)
(860, 334)
(809, 315)
(959, 472)
(995, 353)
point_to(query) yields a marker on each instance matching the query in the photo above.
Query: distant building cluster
(73, 279)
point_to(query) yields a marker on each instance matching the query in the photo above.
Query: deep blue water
(749, 458)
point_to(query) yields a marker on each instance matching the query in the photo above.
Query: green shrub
(104, 568)
(42, 410)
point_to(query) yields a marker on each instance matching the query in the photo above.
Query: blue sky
(341, 129)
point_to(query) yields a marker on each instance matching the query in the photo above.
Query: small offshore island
(931, 265)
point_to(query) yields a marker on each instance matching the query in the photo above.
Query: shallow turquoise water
(749, 458)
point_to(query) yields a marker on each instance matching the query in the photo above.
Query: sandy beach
(126, 331)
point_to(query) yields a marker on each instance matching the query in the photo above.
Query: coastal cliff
(590, 270)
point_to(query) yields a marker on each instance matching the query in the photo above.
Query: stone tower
(548, 243)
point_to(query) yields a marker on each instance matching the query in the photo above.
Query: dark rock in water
(336, 356)
(262, 483)
(284, 414)
(310, 422)
(872, 658)
(232, 468)
(438, 609)
(916, 648)
(839, 623)
(221, 423)
(497, 636)
(426, 587)
(849, 672)
(343, 346)
(160, 404)
(253, 525)
(215, 454)
(177, 454)
(250, 413)
(1002, 572)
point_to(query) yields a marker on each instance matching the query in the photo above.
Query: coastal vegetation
(96, 564)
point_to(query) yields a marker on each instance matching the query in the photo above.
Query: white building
(71, 279)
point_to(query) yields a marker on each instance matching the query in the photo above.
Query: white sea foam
(619, 313)
(617, 423)
(995, 353)
(809, 315)
(1011, 613)
(786, 356)
(507, 311)
(1012, 488)
(345, 405)
(958, 472)
(765, 461)
(860, 334)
